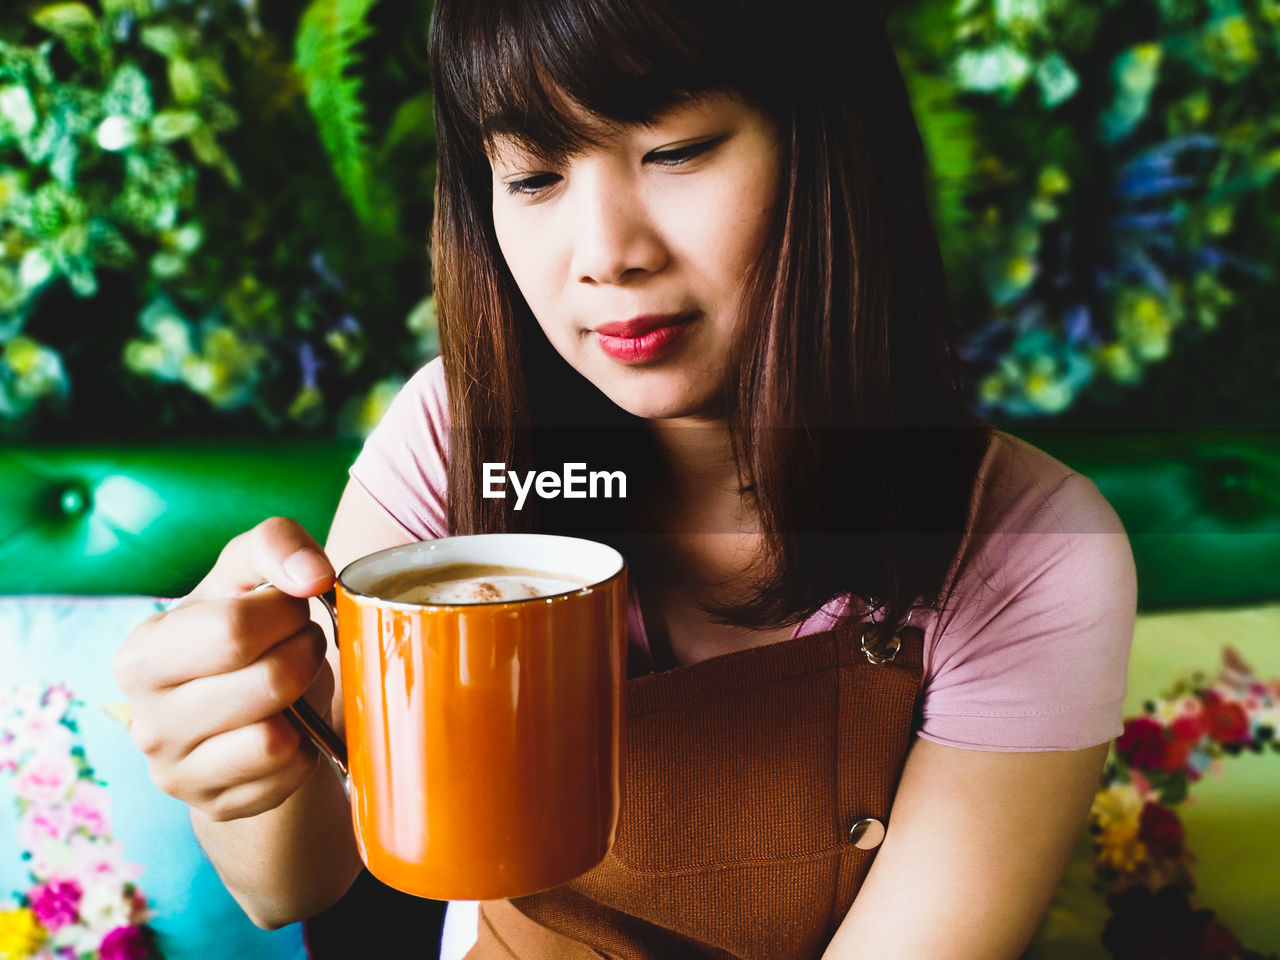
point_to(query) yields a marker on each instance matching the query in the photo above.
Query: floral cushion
(1182, 836)
(95, 861)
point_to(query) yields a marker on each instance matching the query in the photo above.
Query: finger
(259, 796)
(269, 758)
(277, 551)
(208, 638)
(252, 799)
(175, 724)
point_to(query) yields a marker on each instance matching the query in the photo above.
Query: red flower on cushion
(1190, 726)
(1160, 830)
(1175, 756)
(1228, 723)
(125, 943)
(1142, 743)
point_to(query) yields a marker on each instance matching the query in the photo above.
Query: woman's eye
(681, 155)
(531, 186)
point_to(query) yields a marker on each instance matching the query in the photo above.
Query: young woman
(878, 647)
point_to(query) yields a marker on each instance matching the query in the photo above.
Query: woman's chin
(659, 406)
(656, 392)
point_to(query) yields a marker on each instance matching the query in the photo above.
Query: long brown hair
(850, 421)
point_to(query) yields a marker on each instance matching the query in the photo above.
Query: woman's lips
(648, 346)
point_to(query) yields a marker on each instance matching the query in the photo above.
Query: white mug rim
(616, 566)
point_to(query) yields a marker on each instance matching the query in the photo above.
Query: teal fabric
(47, 640)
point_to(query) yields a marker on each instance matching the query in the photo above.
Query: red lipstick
(642, 339)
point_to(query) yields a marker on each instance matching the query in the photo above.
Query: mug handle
(310, 724)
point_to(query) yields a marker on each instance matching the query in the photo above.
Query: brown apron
(744, 775)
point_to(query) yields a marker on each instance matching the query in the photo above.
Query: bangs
(512, 68)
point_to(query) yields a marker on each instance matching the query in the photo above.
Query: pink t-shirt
(1028, 653)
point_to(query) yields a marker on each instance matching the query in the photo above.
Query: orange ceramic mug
(484, 742)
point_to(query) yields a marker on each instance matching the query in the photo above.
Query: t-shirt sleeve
(1035, 654)
(403, 464)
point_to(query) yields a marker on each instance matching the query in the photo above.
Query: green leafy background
(214, 215)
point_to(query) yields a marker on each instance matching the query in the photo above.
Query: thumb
(278, 551)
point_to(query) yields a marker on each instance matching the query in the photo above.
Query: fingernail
(306, 566)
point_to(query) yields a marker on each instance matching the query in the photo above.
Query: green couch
(1201, 506)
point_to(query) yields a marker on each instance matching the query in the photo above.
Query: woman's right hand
(207, 680)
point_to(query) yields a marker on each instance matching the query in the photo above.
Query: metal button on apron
(867, 833)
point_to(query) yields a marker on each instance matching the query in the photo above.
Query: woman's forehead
(515, 130)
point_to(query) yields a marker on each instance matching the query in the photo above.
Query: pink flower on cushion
(125, 943)
(56, 700)
(8, 752)
(97, 859)
(89, 806)
(51, 858)
(44, 821)
(56, 903)
(42, 733)
(46, 777)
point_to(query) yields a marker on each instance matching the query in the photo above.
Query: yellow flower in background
(1116, 359)
(20, 934)
(1140, 68)
(1145, 323)
(362, 415)
(1220, 219)
(226, 369)
(1046, 391)
(1020, 271)
(35, 369)
(1267, 165)
(1053, 180)
(10, 186)
(1120, 848)
(24, 356)
(1119, 805)
(992, 388)
(1234, 37)
(1116, 812)
(1190, 112)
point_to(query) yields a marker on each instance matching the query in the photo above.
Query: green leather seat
(1202, 508)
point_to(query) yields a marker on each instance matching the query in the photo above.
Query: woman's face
(632, 255)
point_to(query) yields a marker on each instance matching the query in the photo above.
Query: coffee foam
(491, 589)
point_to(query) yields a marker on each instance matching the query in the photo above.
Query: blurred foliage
(1105, 178)
(214, 214)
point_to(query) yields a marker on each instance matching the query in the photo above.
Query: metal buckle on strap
(895, 644)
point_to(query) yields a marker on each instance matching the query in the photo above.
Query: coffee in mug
(473, 583)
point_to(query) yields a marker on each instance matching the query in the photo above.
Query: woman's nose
(615, 237)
